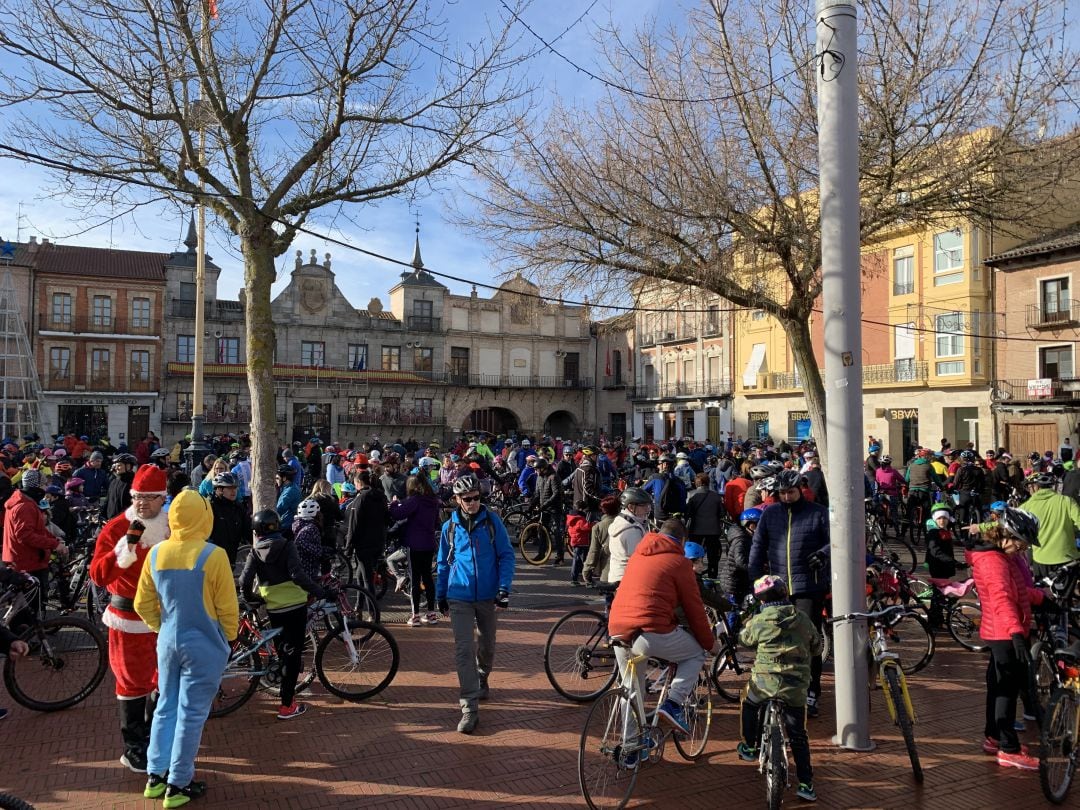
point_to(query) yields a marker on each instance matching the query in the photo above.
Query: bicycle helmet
(767, 484)
(750, 516)
(225, 479)
(265, 521)
(682, 457)
(286, 471)
(428, 462)
(693, 551)
(1041, 479)
(998, 506)
(466, 483)
(1021, 524)
(124, 458)
(967, 456)
(161, 452)
(886, 461)
(635, 496)
(589, 450)
(348, 488)
(74, 483)
(760, 471)
(53, 489)
(532, 461)
(787, 479)
(770, 588)
(307, 509)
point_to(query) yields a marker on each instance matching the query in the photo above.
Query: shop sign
(1040, 388)
(903, 413)
(92, 401)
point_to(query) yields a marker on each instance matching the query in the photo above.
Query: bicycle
(1061, 728)
(1052, 632)
(890, 675)
(534, 540)
(880, 545)
(773, 751)
(617, 740)
(731, 669)
(68, 654)
(577, 650)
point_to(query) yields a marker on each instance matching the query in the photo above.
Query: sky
(27, 210)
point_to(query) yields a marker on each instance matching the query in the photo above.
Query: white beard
(157, 529)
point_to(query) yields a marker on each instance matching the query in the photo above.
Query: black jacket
(704, 510)
(734, 574)
(274, 561)
(586, 480)
(940, 558)
(119, 497)
(366, 521)
(548, 494)
(232, 526)
(393, 485)
(815, 482)
(331, 517)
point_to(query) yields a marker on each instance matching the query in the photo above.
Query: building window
(459, 362)
(184, 404)
(687, 375)
(184, 304)
(949, 341)
(712, 323)
(688, 424)
(102, 311)
(952, 367)
(714, 369)
(185, 348)
(357, 407)
(228, 350)
(423, 409)
(519, 313)
(422, 359)
(1054, 299)
(616, 366)
(422, 312)
(571, 367)
(948, 257)
(1056, 362)
(312, 353)
(100, 365)
(227, 406)
(59, 363)
(358, 356)
(140, 366)
(391, 358)
(757, 315)
(140, 313)
(61, 309)
(904, 270)
(391, 407)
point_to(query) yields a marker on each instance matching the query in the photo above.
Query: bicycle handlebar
(897, 610)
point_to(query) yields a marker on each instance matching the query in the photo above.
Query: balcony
(238, 415)
(91, 325)
(899, 371)
(710, 390)
(387, 416)
(105, 382)
(1061, 389)
(1065, 315)
(903, 287)
(423, 323)
(613, 382)
(648, 340)
(313, 374)
(516, 381)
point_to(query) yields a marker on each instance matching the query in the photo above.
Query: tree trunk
(802, 350)
(257, 243)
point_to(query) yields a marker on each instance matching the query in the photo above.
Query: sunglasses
(469, 499)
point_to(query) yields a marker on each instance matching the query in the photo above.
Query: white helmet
(307, 509)
(374, 456)
(682, 456)
(526, 443)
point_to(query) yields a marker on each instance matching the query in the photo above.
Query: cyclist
(711, 595)
(627, 530)
(968, 482)
(786, 642)
(705, 519)
(118, 497)
(475, 573)
(307, 534)
(940, 559)
(232, 526)
(1059, 524)
(658, 580)
(683, 471)
(889, 482)
(761, 489)
(920, 476)
(288, 497)
(284, 586)
(548, 500)
(667, 490)
(792, 541)
(596, 563)
(586, 482)
(735, 574)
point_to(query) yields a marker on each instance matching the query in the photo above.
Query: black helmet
(1021, 524)
(225, 479)
(124, 458)
(1041, 479)
(466, 483)
(967, 455)
(667, 458)
(635, 496)
(788, 479)
(286, 471)
(265, 521)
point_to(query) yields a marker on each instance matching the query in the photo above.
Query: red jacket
(106, 573)
(1005, 595)
(734, 493)
(657, 580)
(579, 529)
(27, 543)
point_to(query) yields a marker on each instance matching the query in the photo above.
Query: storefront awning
(753, 365)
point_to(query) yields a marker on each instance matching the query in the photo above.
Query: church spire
(191, 240)
(417, 262)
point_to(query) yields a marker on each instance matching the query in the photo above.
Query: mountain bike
(1060, 734)
(68, 654)
(773, 750)
(730, 670)
(619, 738)
(890, 675)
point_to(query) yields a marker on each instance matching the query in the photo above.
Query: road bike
(68, 654)
(1060, 734)
(886, 666)
(619, 738)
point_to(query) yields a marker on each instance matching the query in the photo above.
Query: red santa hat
(149, 480)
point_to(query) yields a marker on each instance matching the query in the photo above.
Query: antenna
(18, 223)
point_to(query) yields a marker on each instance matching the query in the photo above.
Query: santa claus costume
(119, 555)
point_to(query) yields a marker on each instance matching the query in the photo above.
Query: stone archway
(562, 424)
(495, 420)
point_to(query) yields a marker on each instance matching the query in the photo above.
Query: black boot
(135, 732)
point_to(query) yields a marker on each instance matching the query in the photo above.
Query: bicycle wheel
(514, 520)
(729, 675)
(912, 640)
(697, 709)
(964, 621)
(534, 541)
(9, 802)
(775, 766)
(904, 720)
(359, 604)
(610, 751)
(272, 683)
(880, 545)
(97, 599)
(1058, 749)
(242, 554)
(1043, 675)
(66, 663)
(380, 579)
(340, 565)
(357, 662)
(577, 659)
(237, 683)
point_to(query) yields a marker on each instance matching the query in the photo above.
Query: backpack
(669, 496)
(491, 537)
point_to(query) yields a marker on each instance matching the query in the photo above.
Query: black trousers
(795, 723)
(420, 574)
(1006, 676)
(290, 647)
(812, 606)
(713, 550)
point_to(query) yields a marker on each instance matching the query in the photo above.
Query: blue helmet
(998, 506)
(750, 516)
(693, 551)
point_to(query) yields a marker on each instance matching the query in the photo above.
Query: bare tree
(699, 165)
(307, 105)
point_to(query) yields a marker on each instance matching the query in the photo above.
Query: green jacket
(1059, 523)
(786, 641)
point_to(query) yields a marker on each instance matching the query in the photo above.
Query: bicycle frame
(629, 682)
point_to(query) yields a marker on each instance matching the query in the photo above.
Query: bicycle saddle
(950, 588)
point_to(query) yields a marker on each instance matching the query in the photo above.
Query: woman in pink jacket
(1006, 597)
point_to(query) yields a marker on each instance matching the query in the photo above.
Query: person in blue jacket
(527, 479)
(288, 497)
(674, 500)
(792, 541)
(475, 572)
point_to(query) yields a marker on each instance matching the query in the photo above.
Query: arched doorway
(561, 424)
(493, 420)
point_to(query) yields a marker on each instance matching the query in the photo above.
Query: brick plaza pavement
(401, 750)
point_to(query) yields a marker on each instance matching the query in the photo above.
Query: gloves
(444, 607)
(135, 531)
(1021, 647)
(502, 600)
(817, 560)
(125, 554)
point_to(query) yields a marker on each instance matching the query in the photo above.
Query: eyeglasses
(469, 499)
(145, 498)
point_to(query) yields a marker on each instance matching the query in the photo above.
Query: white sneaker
(430, 618)
(414, 620)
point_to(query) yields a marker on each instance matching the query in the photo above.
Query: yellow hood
(190, 517)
